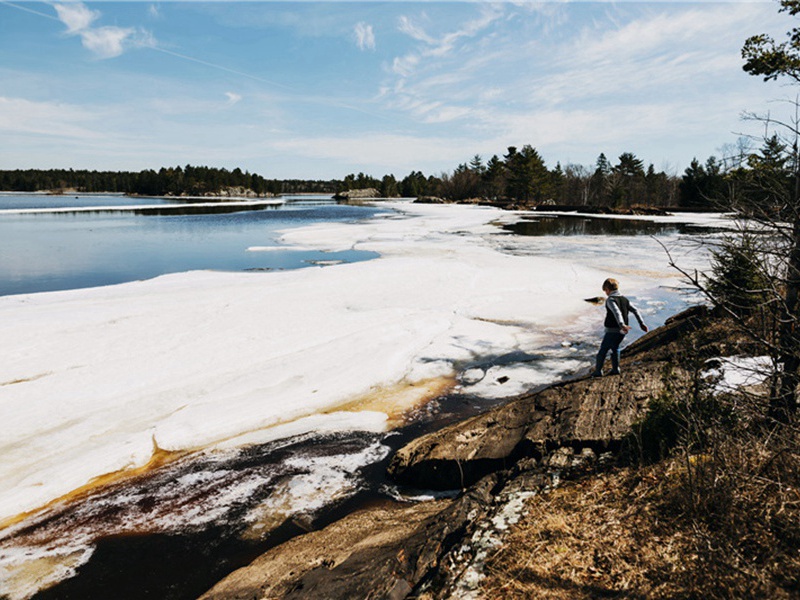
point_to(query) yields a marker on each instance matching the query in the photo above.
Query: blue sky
(323, 89)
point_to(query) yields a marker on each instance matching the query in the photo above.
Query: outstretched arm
(636, 314)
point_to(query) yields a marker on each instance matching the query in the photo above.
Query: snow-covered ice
(241, 203)
(92, 381)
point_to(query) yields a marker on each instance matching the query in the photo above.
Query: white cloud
(106, 42)
(365, 36)
(404, 65)
(233, 98)
(103, 42)
(666, 54)
(444, 45)
(495, 83)
(76, 16)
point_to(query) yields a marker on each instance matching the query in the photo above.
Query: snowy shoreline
(242, 204)
(93, 379)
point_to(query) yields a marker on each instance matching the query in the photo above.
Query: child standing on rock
(618, 307)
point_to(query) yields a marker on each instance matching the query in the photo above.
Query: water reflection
(66, 250)
(569, 225)
(204, 209)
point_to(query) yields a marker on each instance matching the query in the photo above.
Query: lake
(55, 250)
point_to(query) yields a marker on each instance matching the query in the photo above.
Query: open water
(48, 251)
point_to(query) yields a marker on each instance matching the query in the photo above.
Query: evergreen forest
(519, 178)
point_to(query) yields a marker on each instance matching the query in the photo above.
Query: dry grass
(714, 526)
(718, 519)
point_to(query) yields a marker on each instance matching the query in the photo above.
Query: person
(618, 307)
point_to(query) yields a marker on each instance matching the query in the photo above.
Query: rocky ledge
(359, 194)
(497, 459)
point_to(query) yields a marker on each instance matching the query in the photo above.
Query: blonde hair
(612, 285)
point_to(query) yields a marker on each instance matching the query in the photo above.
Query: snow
(93, 380)
(736, 372)
(279, 249)
(132, 208)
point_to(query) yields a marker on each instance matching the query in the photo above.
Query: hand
(625, 328)
(645, 328)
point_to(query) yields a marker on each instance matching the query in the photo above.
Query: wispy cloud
(654, 55)
(233, 98)
(407, 26)
(365, 36)
(428, 77)
(106, 42)
(374, 152)
(51, 119)
(103, 42)
(442, 46)
(675, 53)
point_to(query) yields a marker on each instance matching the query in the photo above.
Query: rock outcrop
(427, 550)
(357, 194)
(434, 549)
(589, 413)
(586, 413)
(365, 550)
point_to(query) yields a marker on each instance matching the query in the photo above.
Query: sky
(317, 90)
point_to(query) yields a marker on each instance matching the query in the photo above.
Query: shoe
(596, 375)
(614, 372)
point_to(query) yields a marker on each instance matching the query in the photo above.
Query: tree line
(518, 178)
(521, 177)
(175, 181)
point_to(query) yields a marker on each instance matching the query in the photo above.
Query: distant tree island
(518, 179)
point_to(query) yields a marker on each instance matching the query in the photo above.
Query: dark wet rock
(384, 550)
(429, 550)
(603, 210)
(431, 200)
(659, 344)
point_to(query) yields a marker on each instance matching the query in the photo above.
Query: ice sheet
(93, 380)
(243, 203)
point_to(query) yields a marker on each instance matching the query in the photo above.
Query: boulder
(357, 194)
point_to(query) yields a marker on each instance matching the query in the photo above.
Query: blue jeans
(611, 341)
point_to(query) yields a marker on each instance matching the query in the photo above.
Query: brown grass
(725, 525)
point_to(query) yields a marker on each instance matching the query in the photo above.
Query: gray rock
(355, 194)
(383, 552)
(588, 413)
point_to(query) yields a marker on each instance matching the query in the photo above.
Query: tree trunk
(784, 406)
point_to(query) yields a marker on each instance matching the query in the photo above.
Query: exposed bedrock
(585, 413)
(428, 550)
